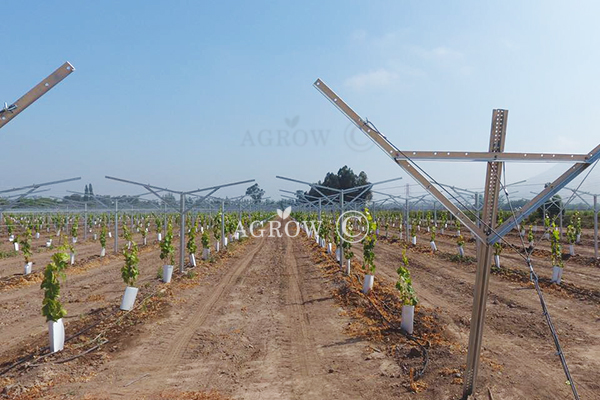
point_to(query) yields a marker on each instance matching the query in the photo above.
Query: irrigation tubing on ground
(527, 259)
(534, 278)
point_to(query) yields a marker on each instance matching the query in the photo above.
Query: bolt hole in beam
(36, 92)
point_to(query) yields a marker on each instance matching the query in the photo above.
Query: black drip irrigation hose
(535, 279)
(559, 352)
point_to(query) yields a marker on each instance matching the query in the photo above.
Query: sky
(190, 94)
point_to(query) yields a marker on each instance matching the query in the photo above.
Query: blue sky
(190, 94)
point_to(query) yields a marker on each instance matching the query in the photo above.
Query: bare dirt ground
(522, 361)
(275, 318)
(264, 324)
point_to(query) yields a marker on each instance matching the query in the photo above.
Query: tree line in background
(345, 178)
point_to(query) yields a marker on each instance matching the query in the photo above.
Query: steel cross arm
(582, 192)
(36, 192)
(468, 206)
(392, 152)
(457, 189)
(575, 192)
(554, 203)
(356, 187)
(312, 203)
(37, 185)
(328, 198)
(238, 198)
(173, 207)
(490, 156)
(145, 185)
(301, 201)
(419, 199)
(380, 202)
(388, 194)
(460, 192)
(342, 191)
(358, 197)
(316, 199)
(145, 194)
(97, 200)
(555, 187)
(8, 113)
(251, 203)
(332, 196)
(312, 185)
(365, 189)
(15, 201)
(200, 200)
(219, 186)
(301, 194)
(391, 197)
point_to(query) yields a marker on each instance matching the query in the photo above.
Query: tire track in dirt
(302, 340)
(262, 325)
(174, 352)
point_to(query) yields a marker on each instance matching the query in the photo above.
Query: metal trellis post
(596, 226)
(116, 226)
(488, 234)
(182, 233)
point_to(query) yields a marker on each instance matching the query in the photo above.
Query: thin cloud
(441, 53)
(378, 78)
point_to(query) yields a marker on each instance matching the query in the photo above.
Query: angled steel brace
(558, 184)
(489, 234)
(393, 152)
(312, 185)
(201, 199)
(8, 113)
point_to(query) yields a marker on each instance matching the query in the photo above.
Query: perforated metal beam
(490, 156)
(553, 188)
(6, 115)
(392, 152)
(489, 234)
(484, 251)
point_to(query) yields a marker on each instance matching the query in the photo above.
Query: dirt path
(517, 343)
(264, 326)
